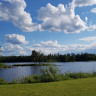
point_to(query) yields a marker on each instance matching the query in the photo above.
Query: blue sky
(50, 26)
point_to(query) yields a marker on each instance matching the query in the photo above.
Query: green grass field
(79, 87)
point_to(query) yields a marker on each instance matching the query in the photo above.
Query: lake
(10, 74)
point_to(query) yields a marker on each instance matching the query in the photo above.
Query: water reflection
(19, 72)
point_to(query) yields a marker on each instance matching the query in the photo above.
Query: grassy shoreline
(47, 76)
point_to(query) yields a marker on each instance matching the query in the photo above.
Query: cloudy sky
(49, 26)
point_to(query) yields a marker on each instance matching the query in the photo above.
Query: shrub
(3, 81)
(78, 75)
(93, 74)
(50, 74)
(31, 79)
(15, 81)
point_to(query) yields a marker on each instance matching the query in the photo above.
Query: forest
(40, 57)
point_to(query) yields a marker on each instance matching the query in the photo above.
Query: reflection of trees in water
(36, 69)
(0, 73)
(0, 51)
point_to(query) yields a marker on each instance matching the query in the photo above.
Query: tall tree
(37, 57)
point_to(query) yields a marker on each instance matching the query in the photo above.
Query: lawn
(79, 87)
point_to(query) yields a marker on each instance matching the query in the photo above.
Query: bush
(31, 79)
(93, 74)
(50, 74)
(15, 81)
(3, 81)
(78, 75)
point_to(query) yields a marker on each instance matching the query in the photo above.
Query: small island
(2, 65)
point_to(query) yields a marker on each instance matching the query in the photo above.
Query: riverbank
(79, 87)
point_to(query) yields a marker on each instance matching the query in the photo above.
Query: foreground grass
(79, 87)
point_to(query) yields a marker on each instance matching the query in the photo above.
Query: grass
(78, 87)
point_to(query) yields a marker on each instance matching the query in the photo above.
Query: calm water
(19, 72)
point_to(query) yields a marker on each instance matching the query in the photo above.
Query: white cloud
(86, 19)
(1, 49)
(91, 28)
(15, 39)
(60, 19)
(48, 47)
(0, 3)
(14, 11)
(51, 47)
(81, 3)
(50, 44)
(88, 39)
(37, 45)
(53, 18)
(46, 50)
(93, 10)
(54, 47)
(13, 49)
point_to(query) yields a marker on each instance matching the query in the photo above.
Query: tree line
(38, 57)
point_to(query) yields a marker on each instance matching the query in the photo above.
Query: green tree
(37, 57)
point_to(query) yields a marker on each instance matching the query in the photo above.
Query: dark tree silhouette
(37, 57)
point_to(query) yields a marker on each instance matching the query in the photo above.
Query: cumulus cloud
(88, 38)
(13, 49)
(93, 10)
(15, 39)
(53, 18)
(91, 28)
(60, 18)
(54, 47)
(14, 11)
(81, 3)
(50, 44)
(48, 47)
(37, 45)
(46, 50)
